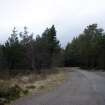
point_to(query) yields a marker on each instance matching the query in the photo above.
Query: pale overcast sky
(70, 17)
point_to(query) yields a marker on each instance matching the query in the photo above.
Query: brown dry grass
(36, 83)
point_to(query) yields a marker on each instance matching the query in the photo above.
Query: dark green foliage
(46, 49)
(88, 49)
(10, 93)
(22, 51)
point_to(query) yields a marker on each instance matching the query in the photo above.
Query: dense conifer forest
(88, 49)
(24, 52)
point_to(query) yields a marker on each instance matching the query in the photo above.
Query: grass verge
(27, 84)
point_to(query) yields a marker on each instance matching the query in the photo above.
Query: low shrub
(11, 93)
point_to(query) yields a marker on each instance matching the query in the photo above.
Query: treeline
(24, 52)
(88, 49)
(21, 51)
